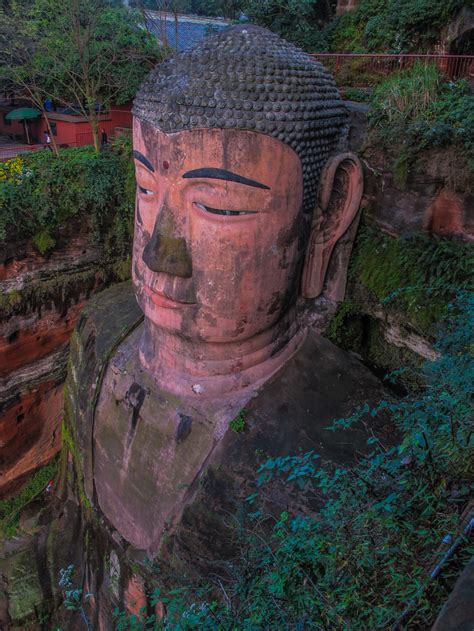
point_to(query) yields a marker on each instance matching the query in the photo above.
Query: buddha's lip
(161, 300)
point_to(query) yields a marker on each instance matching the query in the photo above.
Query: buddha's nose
(166, 252)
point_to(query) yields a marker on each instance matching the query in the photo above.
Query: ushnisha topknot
(246, 77)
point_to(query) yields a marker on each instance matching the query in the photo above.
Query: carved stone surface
(232, 141)
(247, 77)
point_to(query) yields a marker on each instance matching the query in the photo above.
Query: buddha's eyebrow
(222, 174)
(141, 158)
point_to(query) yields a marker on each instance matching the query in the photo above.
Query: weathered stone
(458, 612)
(40, 302)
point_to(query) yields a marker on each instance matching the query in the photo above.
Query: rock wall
(41, 298)
(407, 199)
(429, 192)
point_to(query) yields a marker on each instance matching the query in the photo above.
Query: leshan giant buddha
(242, 195)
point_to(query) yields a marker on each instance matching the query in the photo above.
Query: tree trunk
(95, 128)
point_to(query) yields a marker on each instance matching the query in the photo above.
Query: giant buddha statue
(244, 190)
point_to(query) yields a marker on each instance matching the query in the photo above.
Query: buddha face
(219, 233)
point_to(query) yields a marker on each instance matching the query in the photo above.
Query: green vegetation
(299, 21)
(73, 596)
(229, 9)
(425, 112)
(75, 52)
(407, 95)
(43, 242)
(417, 276)
(391, 26)
(238, 423)
(364, 560)
(63, 289)
(11, 507)
(69, 447)
(49, 194)
(406, 283)
(357, 94)
(344, 328)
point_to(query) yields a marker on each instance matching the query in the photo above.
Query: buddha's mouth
(162, 300)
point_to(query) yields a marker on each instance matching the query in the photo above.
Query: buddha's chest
(149, 449)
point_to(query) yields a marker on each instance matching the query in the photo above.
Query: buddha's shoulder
(104, 323)
(319, 384)
(321, 378)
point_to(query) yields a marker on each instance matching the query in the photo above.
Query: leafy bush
(357, 94)
(417, 107)
(365, 558)
(41, 194)
(392, 26)
(298, 21)
(238, 423)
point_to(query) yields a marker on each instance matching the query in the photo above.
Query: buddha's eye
(144, 191)
(225, 213)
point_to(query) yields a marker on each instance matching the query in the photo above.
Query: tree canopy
(84, 53)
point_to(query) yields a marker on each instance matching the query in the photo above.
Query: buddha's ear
(339, 195)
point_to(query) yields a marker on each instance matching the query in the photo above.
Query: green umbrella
(22, 113)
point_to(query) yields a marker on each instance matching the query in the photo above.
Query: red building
(69, 129)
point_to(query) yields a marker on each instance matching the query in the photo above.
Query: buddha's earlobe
(339, 196)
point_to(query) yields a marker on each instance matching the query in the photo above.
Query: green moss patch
(415, 277)
(63, 290)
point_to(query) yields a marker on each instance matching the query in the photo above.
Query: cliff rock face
(40, 303)
(431, 192)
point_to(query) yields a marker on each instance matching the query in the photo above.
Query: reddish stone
(26, 339)
(445, 216)
(134, 595)
(29, 433)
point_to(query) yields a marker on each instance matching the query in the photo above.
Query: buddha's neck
(199, 369)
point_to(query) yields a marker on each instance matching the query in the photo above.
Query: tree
(298, 21)
(220, 8)
(84, 53)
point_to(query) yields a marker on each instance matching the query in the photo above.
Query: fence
(358, 68)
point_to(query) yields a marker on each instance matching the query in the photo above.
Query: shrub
(238, 423)
(11, 507)
(41, 194)
(416, 107)
(392, 26)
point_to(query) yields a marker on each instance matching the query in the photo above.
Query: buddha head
(241, 192)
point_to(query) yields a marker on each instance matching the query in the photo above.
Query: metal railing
(355, 68)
